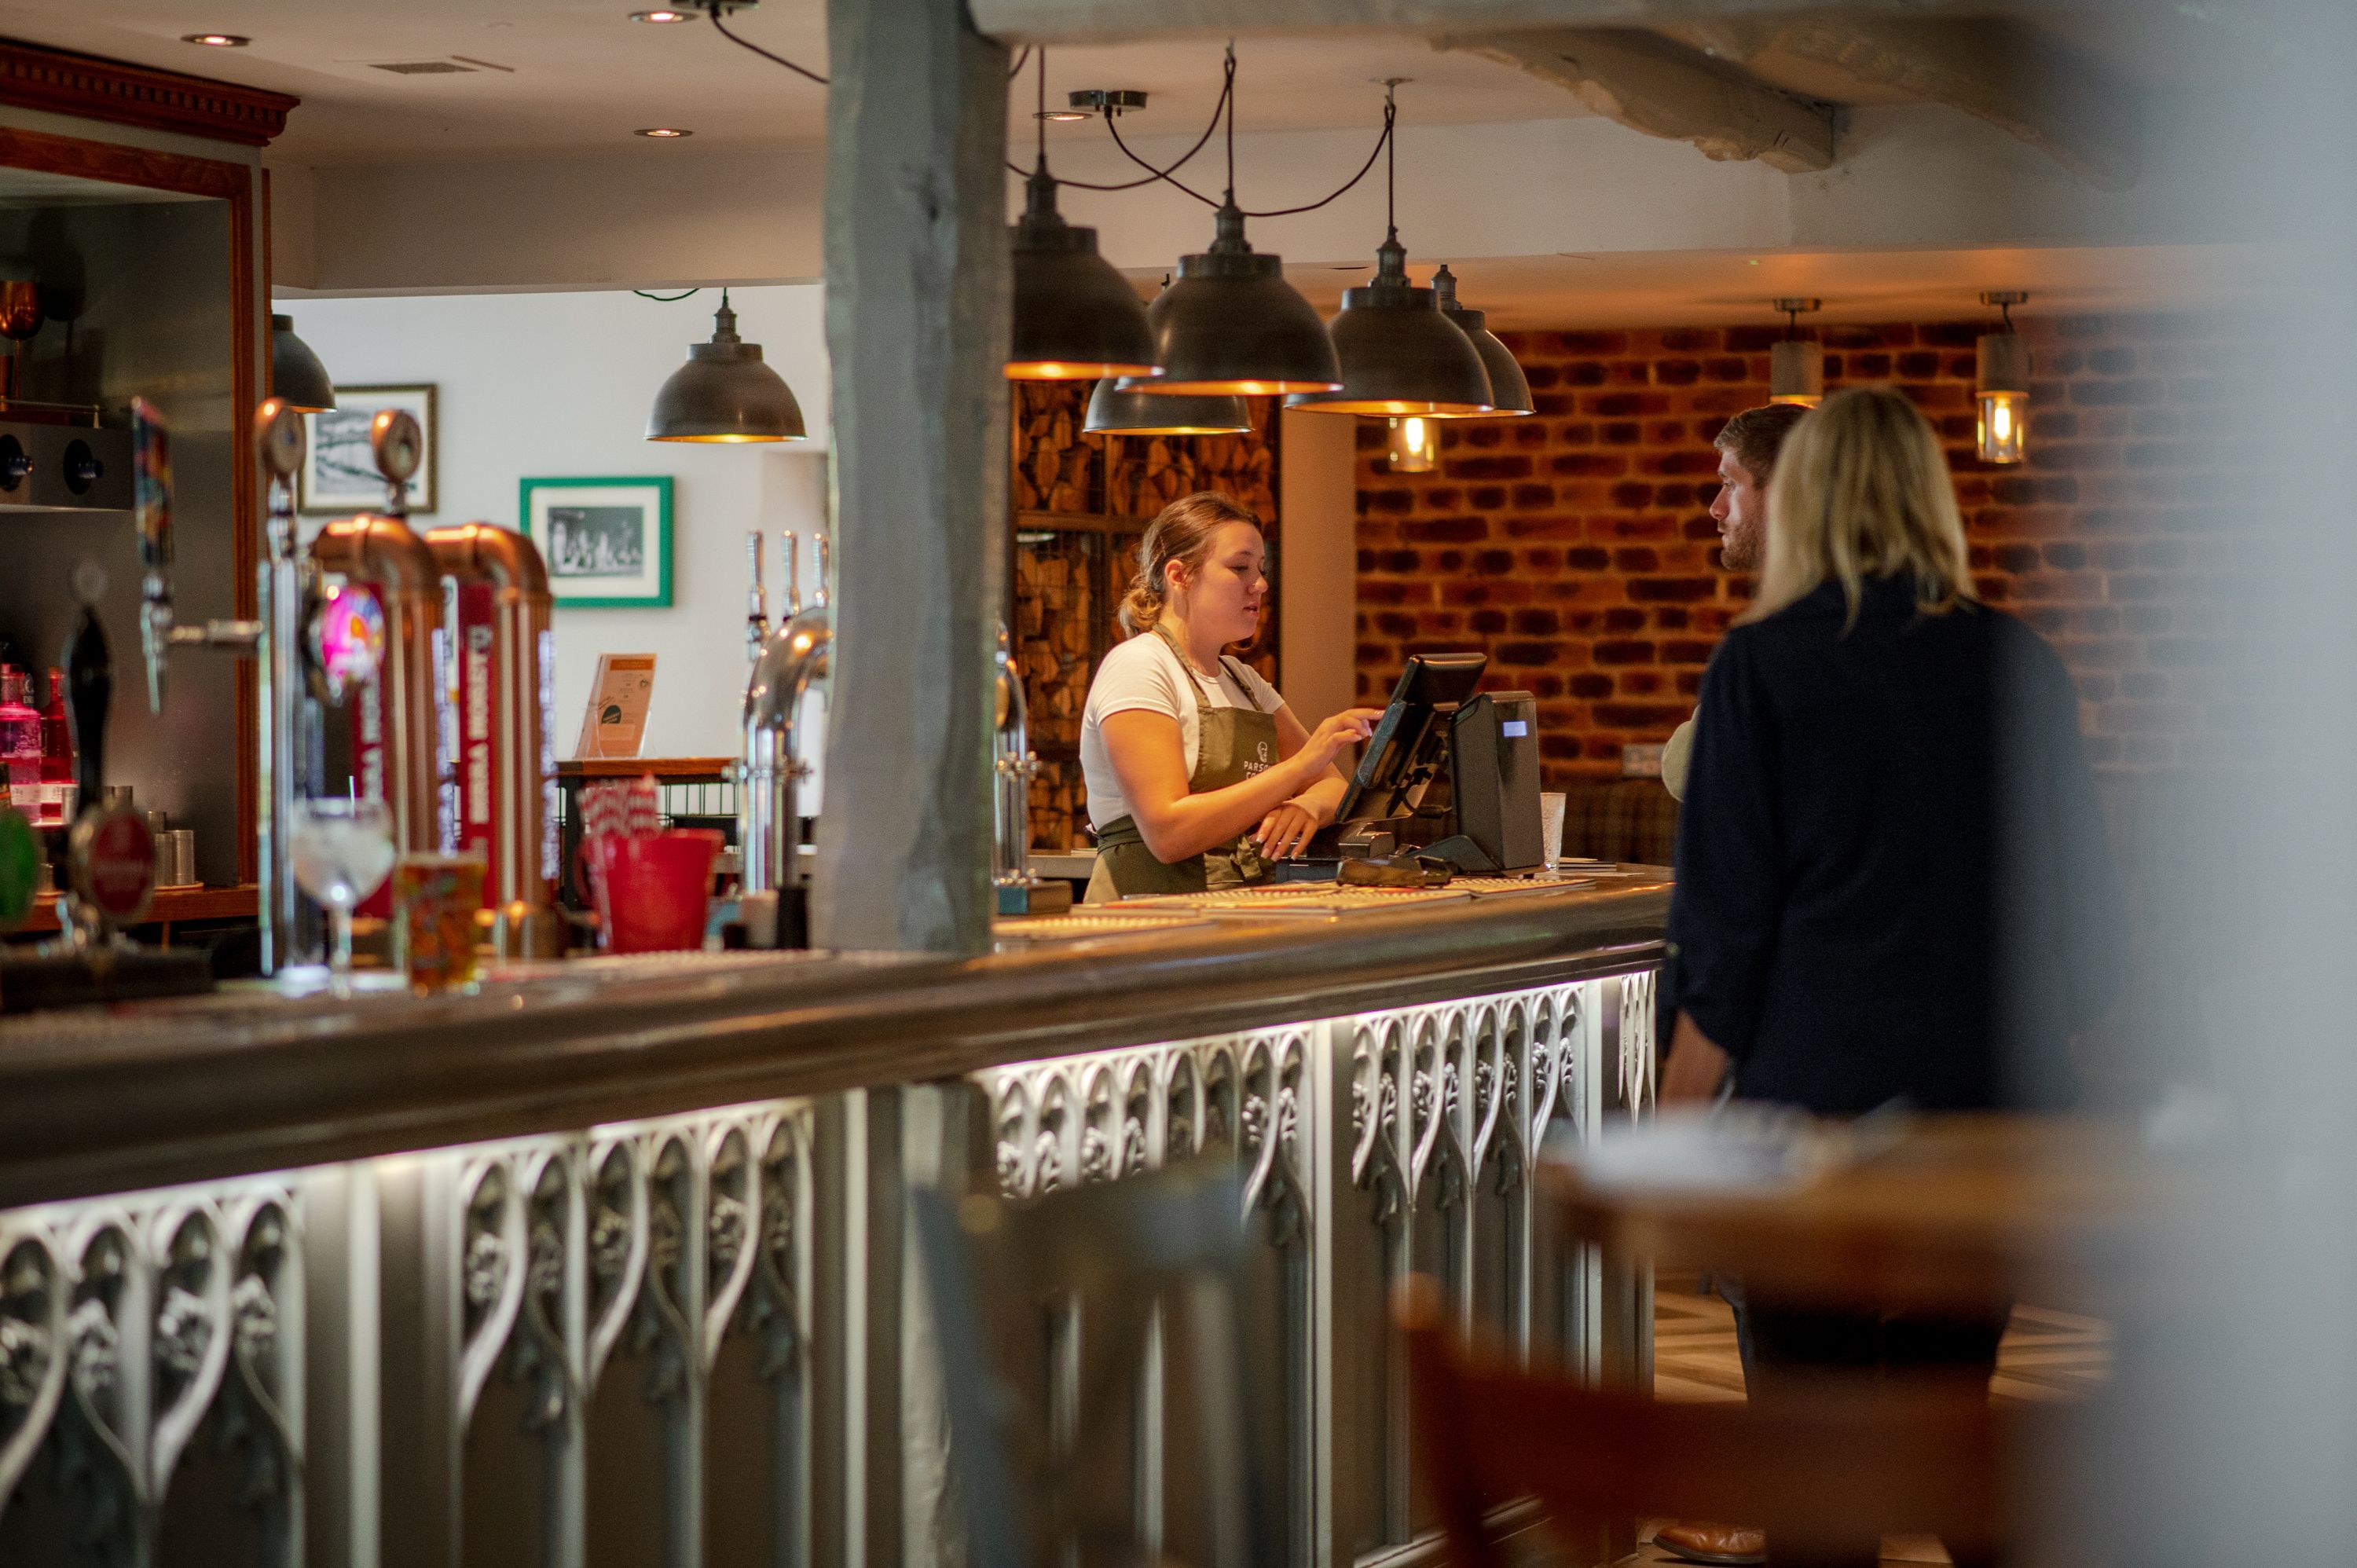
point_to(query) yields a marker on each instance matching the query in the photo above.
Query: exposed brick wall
(1575, 547)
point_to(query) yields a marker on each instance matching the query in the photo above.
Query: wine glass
(342, 852)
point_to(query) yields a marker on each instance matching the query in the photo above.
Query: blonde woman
(1893, 885)
(1198, 772)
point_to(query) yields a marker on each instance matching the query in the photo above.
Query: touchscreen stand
(1449, 773)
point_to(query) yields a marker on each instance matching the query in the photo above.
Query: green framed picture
(606, 543)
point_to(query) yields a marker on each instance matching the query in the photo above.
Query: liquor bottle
(20, 731)
(57, 734)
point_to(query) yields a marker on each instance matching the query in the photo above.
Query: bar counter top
(102, 1099)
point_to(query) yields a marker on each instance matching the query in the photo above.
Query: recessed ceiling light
(1062, 116)
(664, 133)
(216, 40)
(663, 15)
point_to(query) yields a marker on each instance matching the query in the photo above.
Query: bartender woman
(1198, 773)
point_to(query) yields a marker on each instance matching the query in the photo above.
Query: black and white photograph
(340, 473)
(606, 541)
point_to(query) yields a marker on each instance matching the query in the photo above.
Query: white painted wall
(559, 384)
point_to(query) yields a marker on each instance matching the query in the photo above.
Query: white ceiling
(580, 76)
(1712, 288)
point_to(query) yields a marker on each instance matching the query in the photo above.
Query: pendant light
(1112, 412)
(297, 379)
(2003, 385)
(1399, 355)
(724, 393)
(1231, 326)
(1796, 366)
(1075, 316)
(1509, 389)
(1413, 446)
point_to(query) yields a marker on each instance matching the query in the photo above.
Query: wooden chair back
(1046, 1310)
(1827, 1475)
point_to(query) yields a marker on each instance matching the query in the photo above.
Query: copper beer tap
(381, 553)
(512, 732)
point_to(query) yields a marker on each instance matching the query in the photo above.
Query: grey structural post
(917, 322)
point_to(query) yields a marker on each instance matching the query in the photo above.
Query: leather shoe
(1721, 1545)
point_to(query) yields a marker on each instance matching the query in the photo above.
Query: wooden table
(1955, 1211)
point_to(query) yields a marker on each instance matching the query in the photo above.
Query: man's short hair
(1757, 434)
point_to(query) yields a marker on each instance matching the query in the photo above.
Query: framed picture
(607, 541)
(338, 473)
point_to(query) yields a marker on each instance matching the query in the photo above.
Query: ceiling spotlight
(216, 41)
(664, 133)
(663, 15)
(1796, 366)
(1112, 102)
(1064, 116)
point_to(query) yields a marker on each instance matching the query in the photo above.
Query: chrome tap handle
(791, 549)
(818, 597)
(757, 599)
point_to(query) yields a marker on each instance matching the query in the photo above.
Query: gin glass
(342, 852)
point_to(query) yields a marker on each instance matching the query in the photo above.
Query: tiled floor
(2046, 1355)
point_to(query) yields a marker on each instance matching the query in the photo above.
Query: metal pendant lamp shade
(724, 393)
(296, 377)
(1231, 326)
(1112, 412)
(1400, 355)
(1796, 372)
(1509, 389)
(1075, 316)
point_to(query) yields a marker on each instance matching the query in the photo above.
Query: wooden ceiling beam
(1667, 88)
(2004, 71)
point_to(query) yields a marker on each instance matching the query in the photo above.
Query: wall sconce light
(1796, 366)
(2004, 385)
(1414, 446)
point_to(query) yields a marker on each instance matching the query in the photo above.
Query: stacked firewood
(1146, 473)
(1054, 615)
(1055, 468)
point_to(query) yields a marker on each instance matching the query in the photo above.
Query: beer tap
(1014, 764)
(379, 553)
(790, 551)
(110, 855)
(757, 599)
(777, 781)
(150, 491)
(501, 659)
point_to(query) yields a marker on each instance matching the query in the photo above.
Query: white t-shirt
(1147, 672)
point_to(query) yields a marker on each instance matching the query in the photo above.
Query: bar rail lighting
(1076, 317)
(1399, 355)
(297, 379)
(2003, 384)
(1413, 446)
(1796, 366)
(724, 393)
(1510, 390)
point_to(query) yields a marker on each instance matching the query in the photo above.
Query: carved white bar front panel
(692, 1339)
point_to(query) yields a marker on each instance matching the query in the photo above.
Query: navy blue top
(1893, 880)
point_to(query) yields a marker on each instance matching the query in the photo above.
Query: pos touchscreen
(1409, 750)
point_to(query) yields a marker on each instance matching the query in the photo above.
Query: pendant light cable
(1228, 103)
(743, 43)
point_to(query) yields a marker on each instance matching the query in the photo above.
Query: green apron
(1234, 744)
